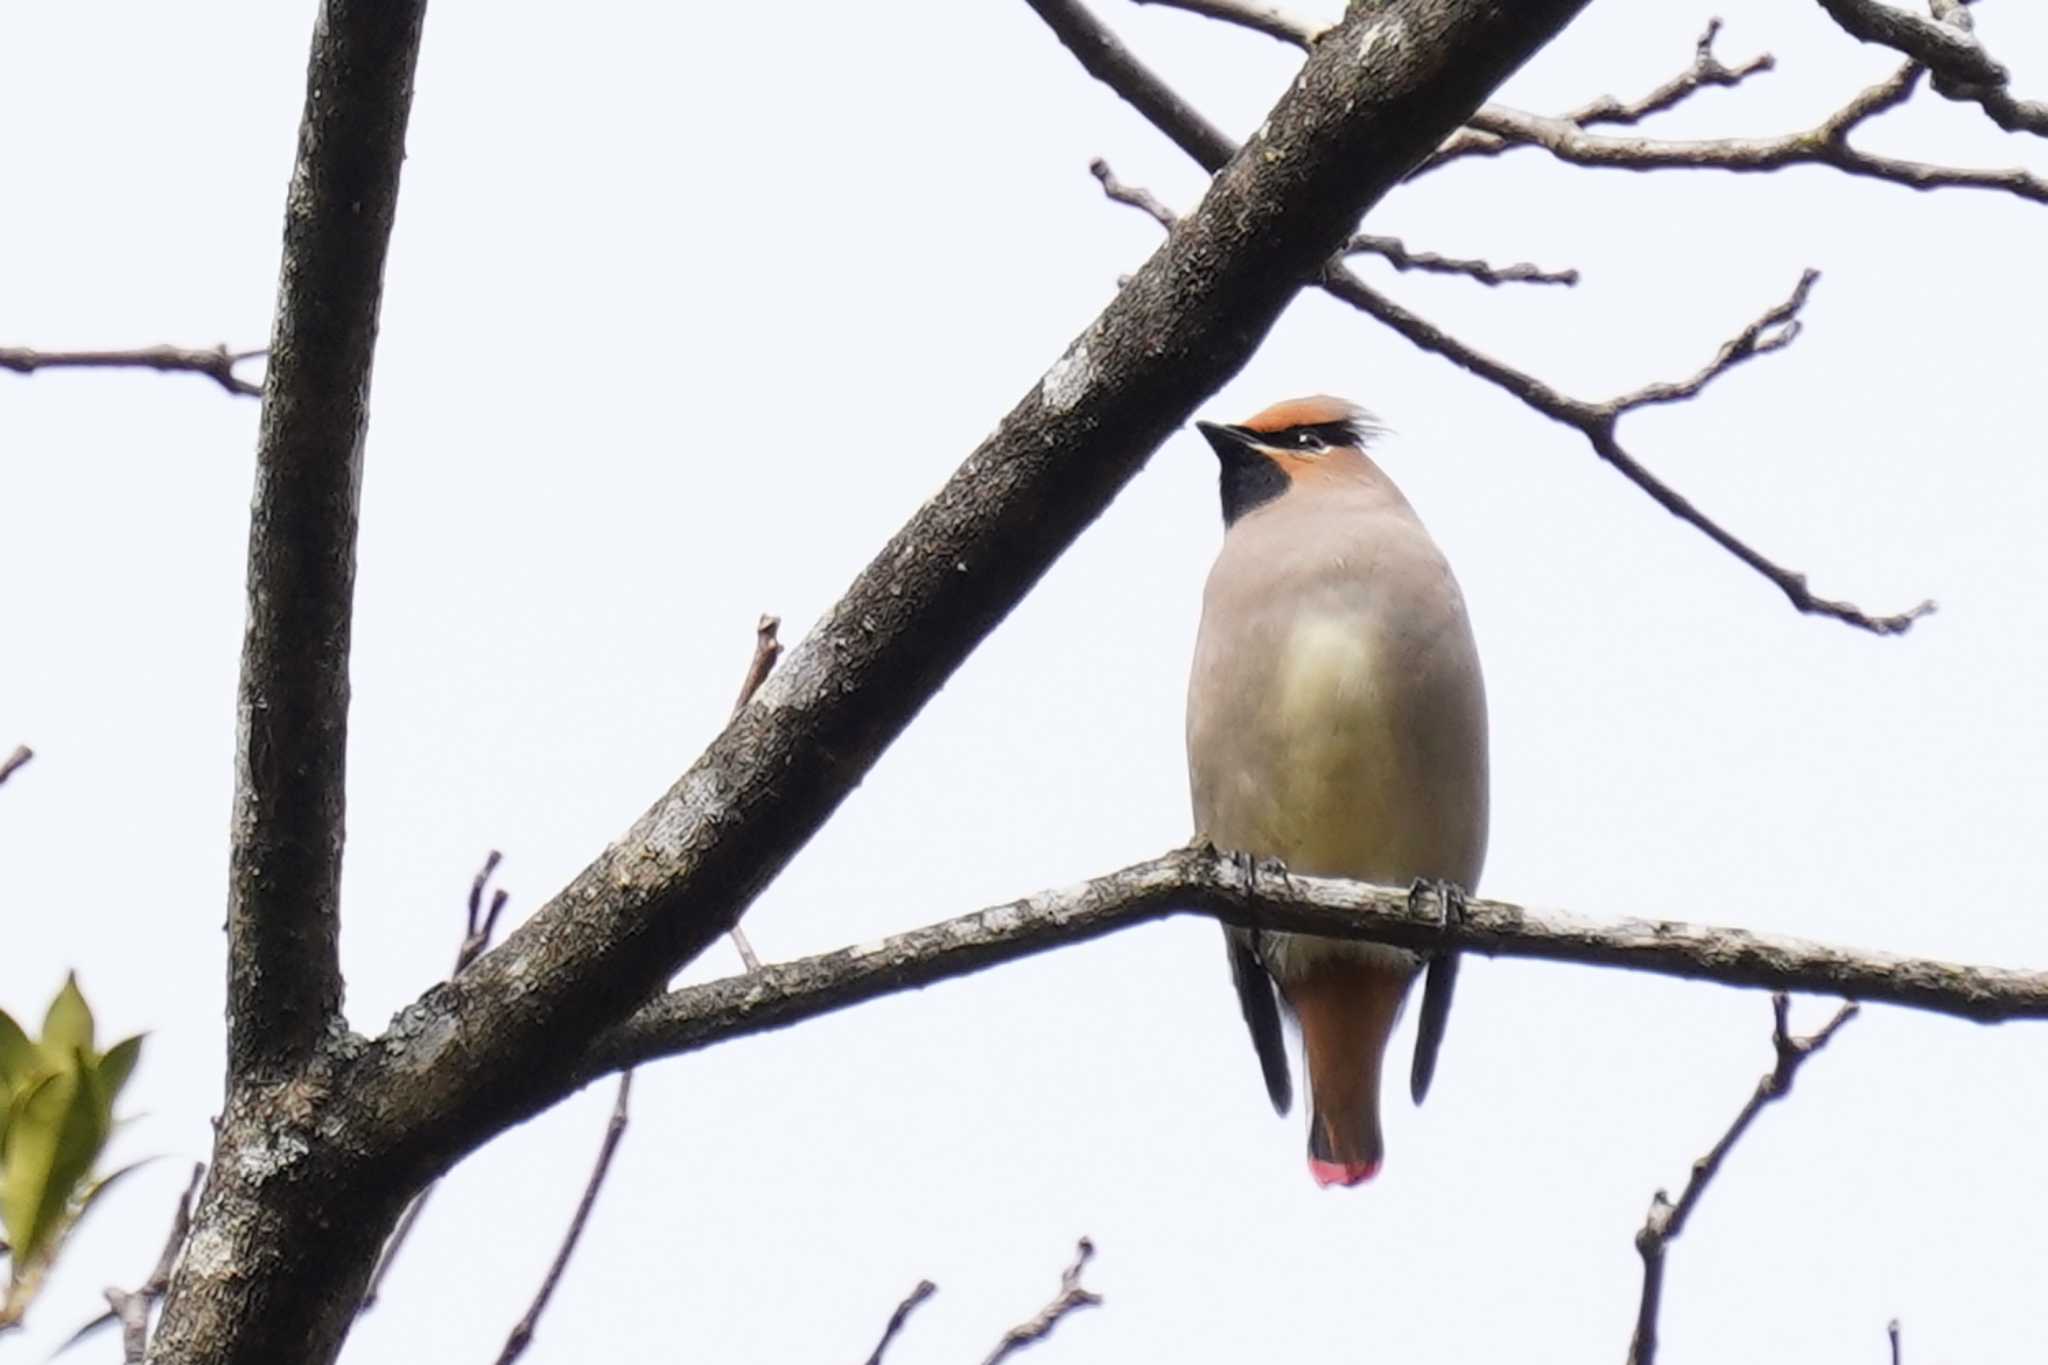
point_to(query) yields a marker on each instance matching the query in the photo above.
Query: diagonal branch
(506, 1037)
(217, 364)
(1597, 421)
(1200, 880)
(1666, 1219)
(923, 1290)
(522, 1332)
(15, 761)
(284, 980)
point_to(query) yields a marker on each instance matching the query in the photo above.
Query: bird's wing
(1261, 1005)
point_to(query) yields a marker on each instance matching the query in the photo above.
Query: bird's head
(1303, 441)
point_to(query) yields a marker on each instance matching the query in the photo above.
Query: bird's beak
(1229, 443)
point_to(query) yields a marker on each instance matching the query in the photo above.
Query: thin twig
(925, 1289)
(767, 649)
(1771, 331)
(479, 925)
(1397, 254)
(1666, 1219)
(132, 1311)
(131, 1308)
(1891, 1330)
(615, 1128)
(1270, 20)
(1070, 1298)
(15, 761)
(1199, 880)
(217, 364)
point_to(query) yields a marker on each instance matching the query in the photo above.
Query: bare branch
(284, 978)
(767, 649)
(1070, 1298)
(131, 1309)
(924, 1290)
(614, 1130)
(1666, 1219)
(479, 925)
(1953, 53)
(1270, 20)
(1396, 254)
(1825, 144)
(1597, 421)
(1891, 1331)
(132, 1312)
(1200, 880)
(15, 761)
(1707, 70)
(217, 364)
(1390, 248)
(1946, 46)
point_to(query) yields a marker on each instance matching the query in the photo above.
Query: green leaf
(67, 1028)
(17, 1055)
(52, 1142)
(118, 1064)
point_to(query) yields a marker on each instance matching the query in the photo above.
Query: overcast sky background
(688, 308)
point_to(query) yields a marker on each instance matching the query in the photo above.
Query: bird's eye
(1303, 440)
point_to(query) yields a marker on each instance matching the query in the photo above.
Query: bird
(1336, 722)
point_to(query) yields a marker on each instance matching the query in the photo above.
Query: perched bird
(1336, 722)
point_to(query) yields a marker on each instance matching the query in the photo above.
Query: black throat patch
(1248, 480)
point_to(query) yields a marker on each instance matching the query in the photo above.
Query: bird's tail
(1347, 1010)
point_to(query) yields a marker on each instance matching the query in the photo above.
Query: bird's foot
(1451, 905)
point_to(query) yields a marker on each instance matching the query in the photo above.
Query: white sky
(637, 252)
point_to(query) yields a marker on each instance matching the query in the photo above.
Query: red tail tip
(1345, 1173)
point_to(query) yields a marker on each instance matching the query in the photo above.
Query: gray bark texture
(1202, 880)
(326, 1135)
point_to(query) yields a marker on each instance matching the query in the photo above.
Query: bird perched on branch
(1336, 722)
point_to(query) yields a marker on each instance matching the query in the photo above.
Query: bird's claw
(1451, 905)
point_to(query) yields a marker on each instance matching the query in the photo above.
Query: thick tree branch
(217, 364)
(287, 1248)
(284, 982)
(1666, 1219)
(1200, 880)
(506, 1037)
